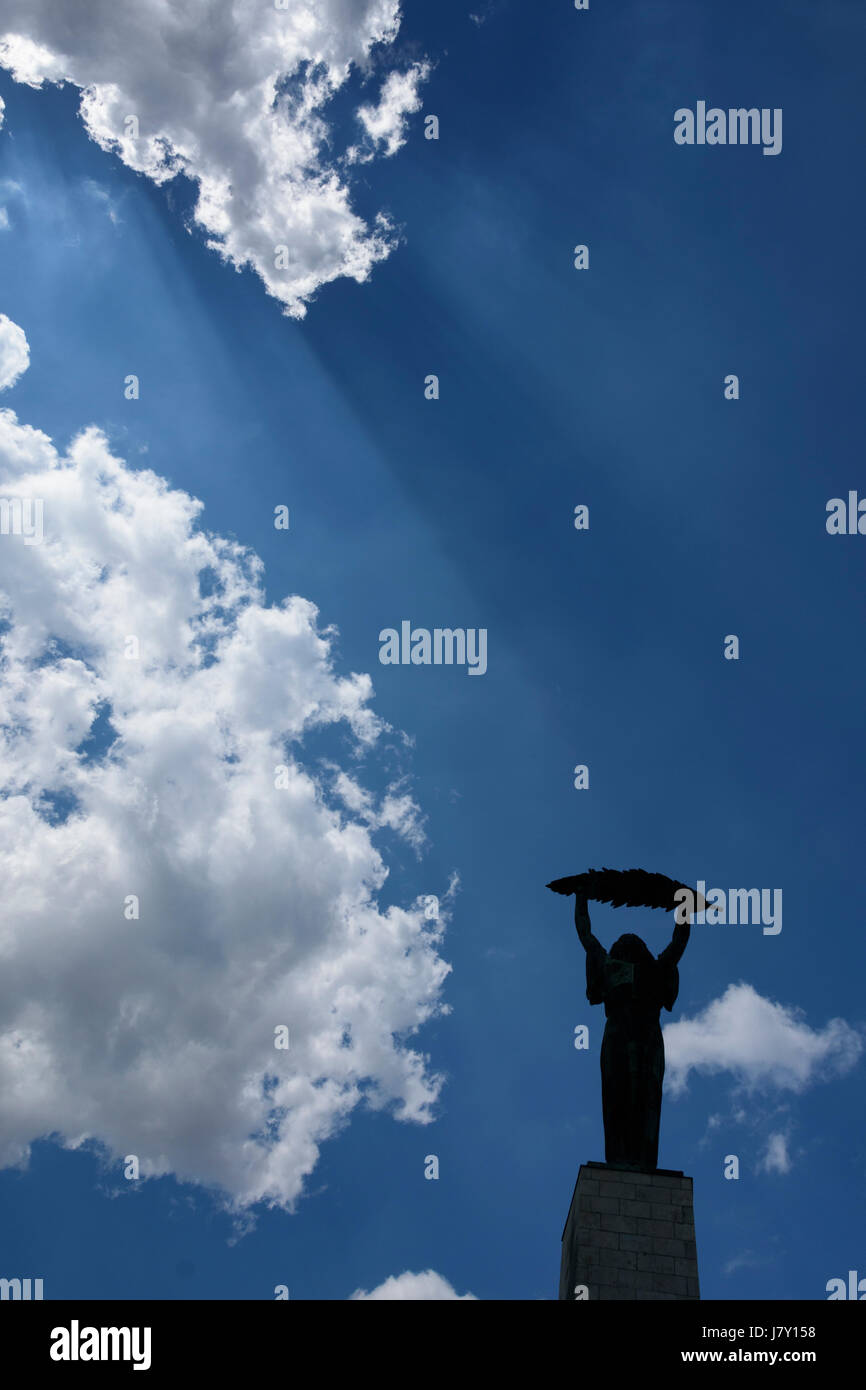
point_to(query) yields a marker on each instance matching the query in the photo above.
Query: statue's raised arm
(582, 923)
(679, 941)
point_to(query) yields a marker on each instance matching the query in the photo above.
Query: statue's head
(632, 948)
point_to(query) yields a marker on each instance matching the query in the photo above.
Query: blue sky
(605, 647)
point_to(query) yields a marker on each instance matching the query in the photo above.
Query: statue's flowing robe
(632, 1050)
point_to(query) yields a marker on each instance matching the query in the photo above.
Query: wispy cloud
(775, 1158)
(748, 1259)
(385, 124)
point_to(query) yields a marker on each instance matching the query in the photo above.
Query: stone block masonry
(629, 1236)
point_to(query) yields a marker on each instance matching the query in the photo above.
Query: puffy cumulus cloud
(235, 96)
(172, 768)
(765, 1045)
(14, 352)
(385, 124)
(427, 1287)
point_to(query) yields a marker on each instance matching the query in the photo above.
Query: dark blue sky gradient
(604, 647)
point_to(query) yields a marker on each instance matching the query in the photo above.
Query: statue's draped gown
(632, 1050)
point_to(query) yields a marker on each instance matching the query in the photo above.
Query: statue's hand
(581, 916)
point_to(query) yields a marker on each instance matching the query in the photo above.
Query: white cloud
(2, 111)
(258, 906)
(14, 350)
(427, 1287)
(775, 1158)
(385, 124)
(102, 197)
(482, 15)
(396, 810)
(236, 97)
(748, 1259)
(764, 1044)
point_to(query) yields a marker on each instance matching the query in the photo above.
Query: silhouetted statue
(634, 986)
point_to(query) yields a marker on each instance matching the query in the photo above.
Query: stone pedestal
(629, 1236)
